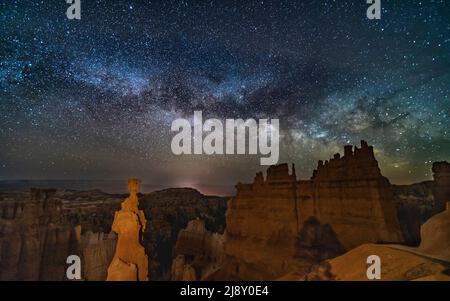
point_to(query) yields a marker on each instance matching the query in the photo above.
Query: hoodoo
(130, 263)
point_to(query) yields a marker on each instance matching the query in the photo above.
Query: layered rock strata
(59, 215)
(96, 252)
(430, 261)
(351, 195)
(197, 252)
(350, 202)
(169, 211)
(441, 175)
(34, 241)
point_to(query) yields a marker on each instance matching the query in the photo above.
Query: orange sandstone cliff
(279, 224)
(351, 195)
(34, 241)
(430, 261)
(435, 234)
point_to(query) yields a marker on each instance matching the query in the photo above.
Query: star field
(94, 98)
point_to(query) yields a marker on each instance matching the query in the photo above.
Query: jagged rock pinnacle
(130, 263)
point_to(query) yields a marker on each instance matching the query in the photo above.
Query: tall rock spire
(130, 263)
(441, 190)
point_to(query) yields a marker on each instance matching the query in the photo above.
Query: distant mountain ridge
(108, 186)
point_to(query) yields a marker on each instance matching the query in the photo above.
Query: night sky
(94, 98)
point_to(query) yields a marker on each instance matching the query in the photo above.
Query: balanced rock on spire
(130, 263)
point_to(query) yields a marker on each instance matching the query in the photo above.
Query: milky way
(94, 98)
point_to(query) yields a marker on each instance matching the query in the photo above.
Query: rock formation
(435, 235)
(169, 211)
(317, 242)
(40, 228)
(414, 206)
(262, 227)
(349, 199)
(430, 261)
(182, 271)
(197, 252)
(396, 264)
(441, 175)
(34, 241)
(351, 195)
(276, 225)
(96, 253)
(130, 263)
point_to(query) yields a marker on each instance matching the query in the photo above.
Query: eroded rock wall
(441, 191)
(346, 195)
(262, 225)
(197, 252)
(351, 195)
(97, 251)
(435, 235)
(34, 242)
